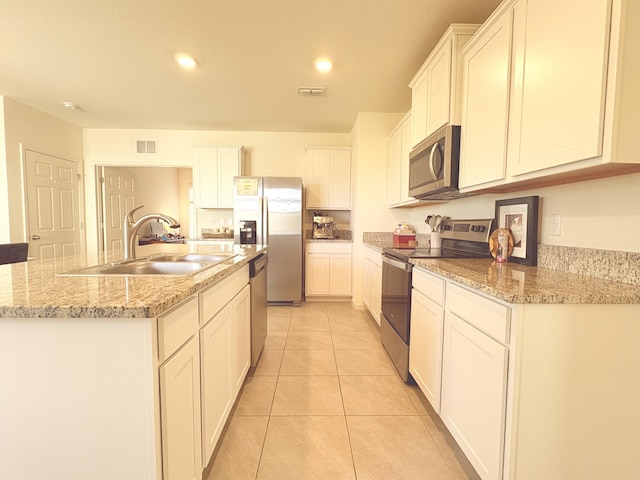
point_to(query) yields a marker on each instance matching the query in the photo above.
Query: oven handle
(404, 266)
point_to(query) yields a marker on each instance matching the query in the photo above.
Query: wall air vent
(146, 146)
(312, 91)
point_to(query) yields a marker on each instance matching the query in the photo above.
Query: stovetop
(460, 239)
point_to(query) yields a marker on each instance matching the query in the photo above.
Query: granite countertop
(521, 284)
(33, 289)
(329, 240)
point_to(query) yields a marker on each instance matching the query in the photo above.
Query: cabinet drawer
(373, 256)
(218, 295)
(429, 285)
(486, 315)
(176, 327)
(329, 247)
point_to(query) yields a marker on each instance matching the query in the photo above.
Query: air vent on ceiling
(312, 91)
(146, 146)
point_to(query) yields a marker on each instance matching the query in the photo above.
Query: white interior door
(118, 197)
(55, 229)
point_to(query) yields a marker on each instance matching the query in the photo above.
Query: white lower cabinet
(241, 339)
(425, 348)
(474, 389)
(180, 414)
(328, 269)
(372, 282)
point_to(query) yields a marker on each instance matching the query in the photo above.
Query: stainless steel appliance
(275, 205)
(258, 283)
(323, 227)
(460, 239)
(434, 166)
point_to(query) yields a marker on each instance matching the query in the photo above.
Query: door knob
(35, 237)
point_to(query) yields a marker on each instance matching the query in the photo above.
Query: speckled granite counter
(520, 284)
(33, 290)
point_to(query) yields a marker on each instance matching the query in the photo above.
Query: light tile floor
(324, 402)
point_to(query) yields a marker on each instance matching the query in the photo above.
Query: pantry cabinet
(328, 178)
(435, 88)
(563, 76)
(213, 172)
(398, 150)
(328, 269)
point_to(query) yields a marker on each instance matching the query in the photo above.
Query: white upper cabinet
(485, 102)
(564, 76)
(328, 178)
(435, 88)
(398, 149)
(213, 172)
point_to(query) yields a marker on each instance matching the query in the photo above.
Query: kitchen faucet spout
(130, 229)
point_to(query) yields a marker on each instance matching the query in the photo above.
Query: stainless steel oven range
(460, 239)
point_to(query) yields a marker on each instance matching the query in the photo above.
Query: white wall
(27, 128)
(267, 153)
(4, 182)
(602, 214)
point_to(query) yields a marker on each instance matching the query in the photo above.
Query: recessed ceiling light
(70, 105)
(323, 65)
(186, 61)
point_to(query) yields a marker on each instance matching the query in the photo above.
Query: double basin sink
(170, 264)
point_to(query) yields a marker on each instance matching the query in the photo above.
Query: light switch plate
(556, 220)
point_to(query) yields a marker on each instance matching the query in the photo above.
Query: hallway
(324, 402)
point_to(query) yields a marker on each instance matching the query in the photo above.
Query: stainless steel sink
(173, 264)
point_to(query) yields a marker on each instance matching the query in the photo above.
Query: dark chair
(13, 252)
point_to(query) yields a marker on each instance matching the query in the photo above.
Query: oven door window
(396, 298)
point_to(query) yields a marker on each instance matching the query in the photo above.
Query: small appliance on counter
(323, 226)
(404, 236)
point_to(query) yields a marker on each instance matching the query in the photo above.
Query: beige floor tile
(343, 308)
(303, 448)
(417, 398)
(256, 396)
(310, 323)
(347, 323)
(308, 362)
(278, 322)
(309, 340)
(239, 453)
(279, 310)
(312, 309)
(449, 449)
(354, 340)
(275, 340)
(363, 362)
(307, 395)
(375, 395)
(269, 363)
(395, 447)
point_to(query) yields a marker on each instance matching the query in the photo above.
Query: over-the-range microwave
(434, 166)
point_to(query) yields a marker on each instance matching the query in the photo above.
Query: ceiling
(115, 59)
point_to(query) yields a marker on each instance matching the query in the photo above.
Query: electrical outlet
(556, 220)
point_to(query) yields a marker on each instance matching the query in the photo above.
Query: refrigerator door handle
(265, 220)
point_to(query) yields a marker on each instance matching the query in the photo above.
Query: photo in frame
(520, 216)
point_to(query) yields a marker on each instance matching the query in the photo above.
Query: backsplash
(611, 265)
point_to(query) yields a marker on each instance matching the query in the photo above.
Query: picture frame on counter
(520, 216)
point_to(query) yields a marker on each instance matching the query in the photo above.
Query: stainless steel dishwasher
(258, 282)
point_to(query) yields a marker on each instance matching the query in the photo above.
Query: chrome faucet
(130, 229)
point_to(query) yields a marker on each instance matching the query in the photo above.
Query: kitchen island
(120, 377)
(532, 370)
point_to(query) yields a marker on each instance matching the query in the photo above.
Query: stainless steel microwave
(434, 165)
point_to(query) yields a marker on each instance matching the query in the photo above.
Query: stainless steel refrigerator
(268, 211)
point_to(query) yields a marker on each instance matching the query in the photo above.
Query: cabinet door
(318, 178)
(180, 414)
(241, 339)
(229, 166)
(340, 185)
(376, 293)
(425, 349)
(419, 105)
(367, 277)
(485, 104)
(205, 174)
(474, 382)
(439, 88)
(317, 278)
(561, 51)
(405, 199)
(394, 159)
(217, 400)
(340, 274)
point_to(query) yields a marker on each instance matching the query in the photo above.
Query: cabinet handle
(35, 237)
